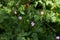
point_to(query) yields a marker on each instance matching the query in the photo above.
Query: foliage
(29, 19)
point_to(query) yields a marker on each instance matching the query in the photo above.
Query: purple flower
(20, 17)
(32, 23)
(57, 37)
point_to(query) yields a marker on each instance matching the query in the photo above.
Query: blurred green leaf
(10, 3)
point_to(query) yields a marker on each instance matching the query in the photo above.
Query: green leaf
(0, 5)
(36, 17)
(21, 38)
(8, 10)
(10, 3)
(34, 36)
(21, 9)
